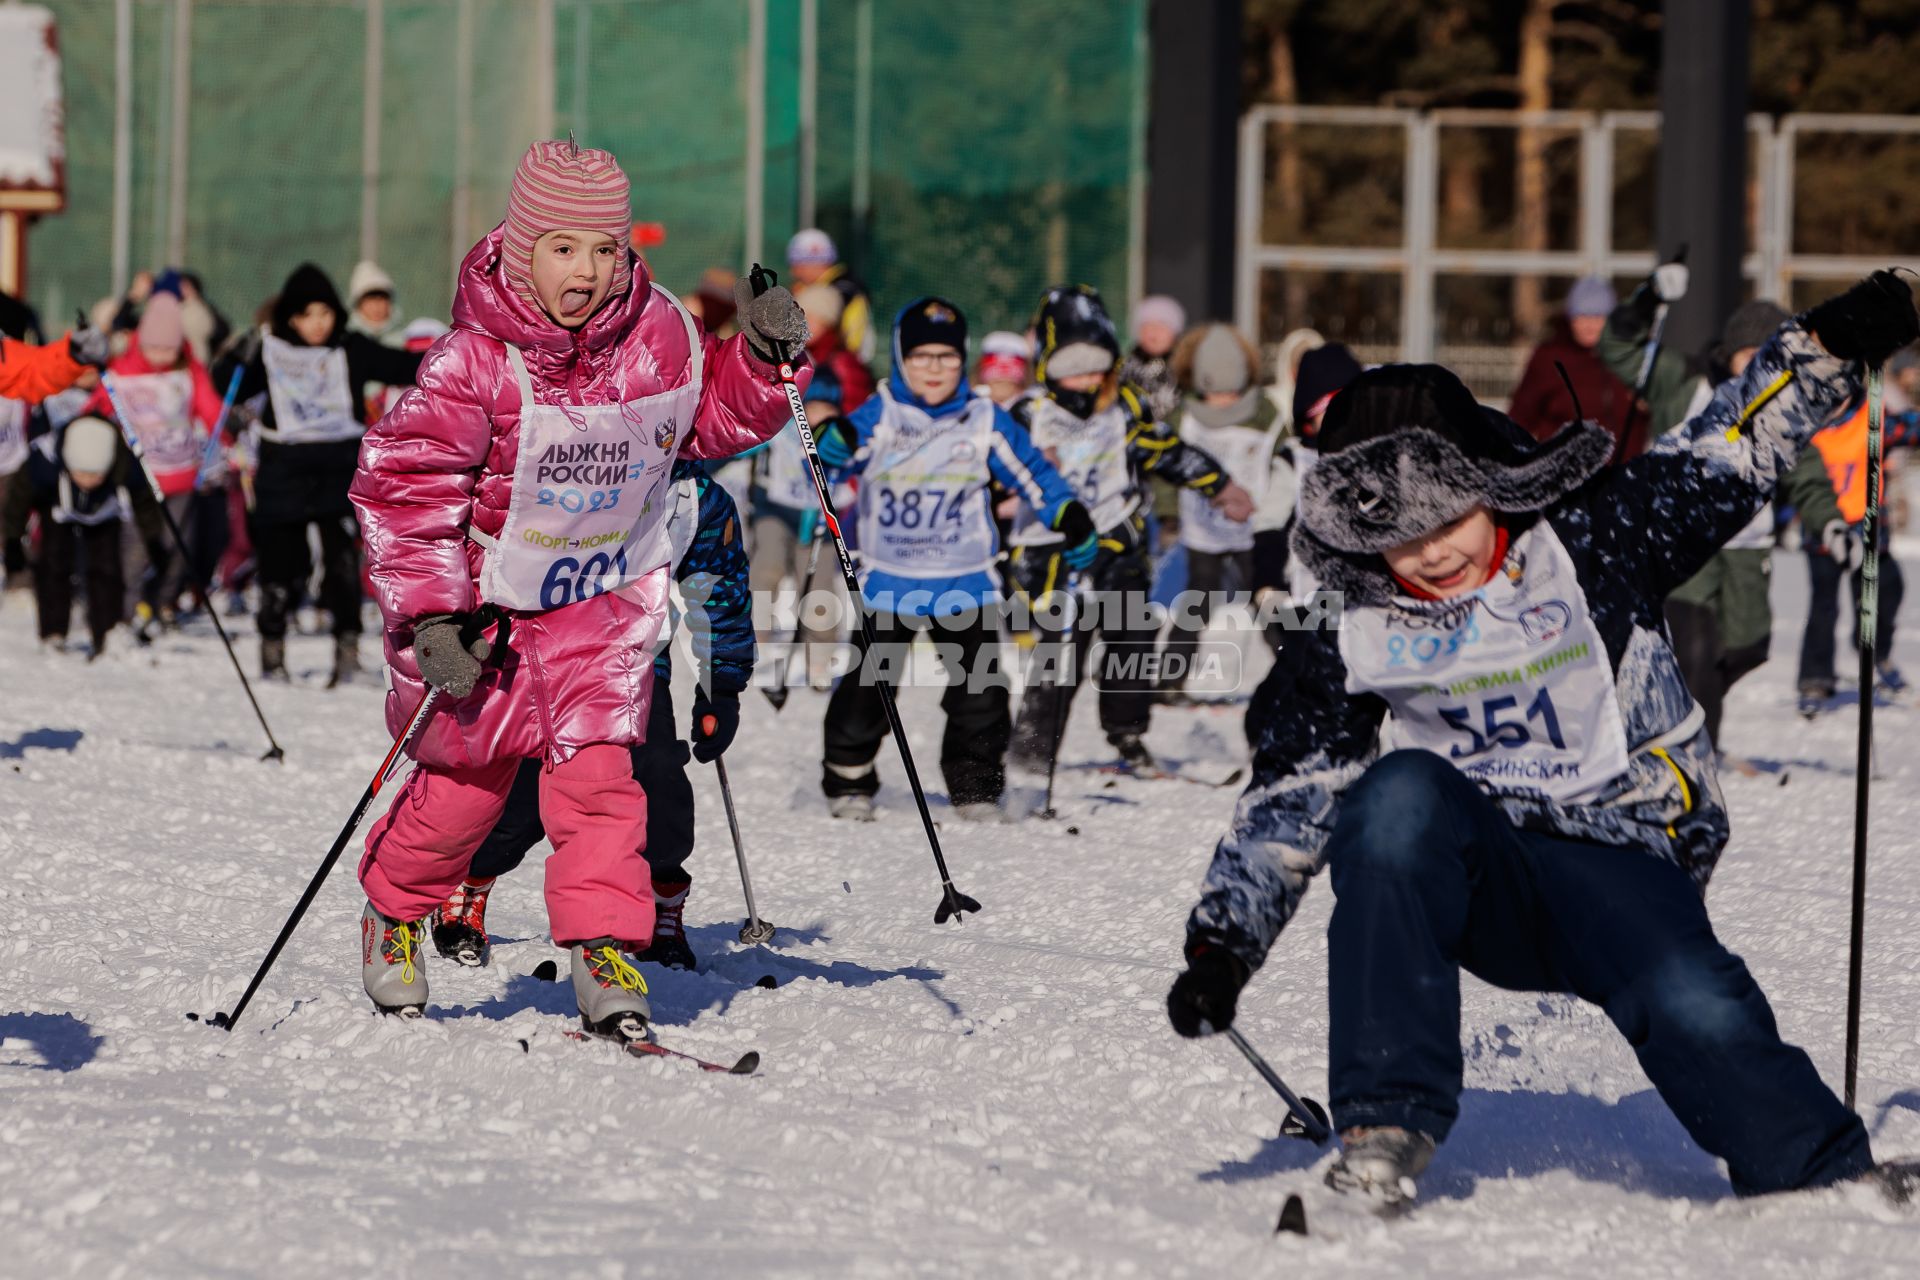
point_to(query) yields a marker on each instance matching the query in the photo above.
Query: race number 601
(569, 582)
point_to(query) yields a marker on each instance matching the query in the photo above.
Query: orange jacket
(1843, 447)
(33, 373)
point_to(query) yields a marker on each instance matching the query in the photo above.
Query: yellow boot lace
(622, 975)
(401, 941)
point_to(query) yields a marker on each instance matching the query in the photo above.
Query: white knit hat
(89, 444)
(367, 278)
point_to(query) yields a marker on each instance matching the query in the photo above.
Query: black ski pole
(1060, 688)
(274, 750)
(380, 776)
(778, 694)
(755, 932)
(952, 902)
(1869, 605)
(1306, 1113)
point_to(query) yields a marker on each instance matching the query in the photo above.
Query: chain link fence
(984, 150)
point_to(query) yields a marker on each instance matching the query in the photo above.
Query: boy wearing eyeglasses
(926, 450)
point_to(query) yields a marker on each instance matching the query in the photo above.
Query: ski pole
(1653, 339)
(1060, 689)
(210, 454)
(1869, 624)
(274, 750)
(952, 902)
(778, 694)
(380, 776)
(755, 931)
(1308, 1114)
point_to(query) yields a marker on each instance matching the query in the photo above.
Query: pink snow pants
(598, 885)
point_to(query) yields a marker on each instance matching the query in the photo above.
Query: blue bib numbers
(1498, 728)
(577, 500)
(568, 581)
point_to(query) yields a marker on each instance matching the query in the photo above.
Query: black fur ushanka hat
(1406, 449)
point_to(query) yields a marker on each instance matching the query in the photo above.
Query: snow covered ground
(1003, 1097)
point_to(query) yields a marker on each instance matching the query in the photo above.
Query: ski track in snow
(1002, 1097)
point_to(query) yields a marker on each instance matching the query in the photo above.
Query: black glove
(1080, 544)
(772, 323)
(447, 660)
(714, 724)
(1868, 322)
(1203, 998)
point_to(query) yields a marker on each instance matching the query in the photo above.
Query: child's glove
(444, 661)
(1843, 543)
(1669, 281)
(1868, 322)
(1075, 525)
(714, 724)
(87, 345)
(772, 323)
(836, 441)
(1203, 998)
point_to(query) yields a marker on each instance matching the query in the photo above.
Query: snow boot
(611, 993)
(1381, 1163)
(855, 808)
(273, 659)
(1888, 678)
(390, 958)
(346, 660)
(460, 925)
(669, 946)
(143, 624)
(1814, 697)
(53, 644)
(1133, 752)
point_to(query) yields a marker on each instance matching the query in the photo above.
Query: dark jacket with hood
(301, 482)
(1631, 534)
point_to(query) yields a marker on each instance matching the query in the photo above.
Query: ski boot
(1133, 752)
(1888, 680)
(1381, 1163)
(855, 808)
(980, 811)
(346, 660)
(611, 993)
(273, 659)
(1814, 697)
(390, 963)
(669, 946)
(459, 925)
(143, 624)
(53, 644)
(1898, 1180)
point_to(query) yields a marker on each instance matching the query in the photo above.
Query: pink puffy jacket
(443, 460)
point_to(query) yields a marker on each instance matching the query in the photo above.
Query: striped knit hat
(561, 185)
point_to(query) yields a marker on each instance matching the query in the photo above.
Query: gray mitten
(445, 662)
(772, 323)
(87, 345)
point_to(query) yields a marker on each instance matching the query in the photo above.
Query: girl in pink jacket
(528, 472)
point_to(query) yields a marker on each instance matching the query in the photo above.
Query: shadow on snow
(64, 1042)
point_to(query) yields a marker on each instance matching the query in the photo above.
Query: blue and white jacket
(710, 565)
(1631, 534)
(1013, 461)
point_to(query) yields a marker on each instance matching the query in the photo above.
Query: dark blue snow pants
(1431, 877)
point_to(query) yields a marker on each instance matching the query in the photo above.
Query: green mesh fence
(983, 150)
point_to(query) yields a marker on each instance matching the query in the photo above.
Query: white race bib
(1511, 683)
(1091, 456)
(924, 511)
(159, 410)
(312, 401)
(13, 435)
(591, 494)
(789, 482)
(1247, 456)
